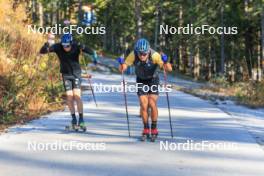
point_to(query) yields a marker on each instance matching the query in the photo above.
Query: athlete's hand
(164, 58)
(167, 66)
(87, 76)
(51, 39)
(120, 60)
(122, 68)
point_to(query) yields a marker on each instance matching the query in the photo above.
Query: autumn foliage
(29, 83)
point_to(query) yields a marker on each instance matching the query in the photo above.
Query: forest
(232, 60)
(238, 57)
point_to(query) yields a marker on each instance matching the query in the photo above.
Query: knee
(144, 107)
(77, 98)
(152, 104)
(69, 98)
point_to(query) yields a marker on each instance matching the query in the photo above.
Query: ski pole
(125, 97)
(51, 41)
(168, 101)
(51, 79)
(90, 82)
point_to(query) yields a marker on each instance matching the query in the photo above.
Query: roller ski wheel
(145, 135)
(154, 135)
(82, 127)
(71, 128)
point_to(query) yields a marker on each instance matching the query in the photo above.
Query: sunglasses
(66, 46)
(142, 54)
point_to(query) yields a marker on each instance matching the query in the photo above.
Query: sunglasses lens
(142, 54)
(66, 46)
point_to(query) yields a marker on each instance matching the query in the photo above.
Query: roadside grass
(29, 84)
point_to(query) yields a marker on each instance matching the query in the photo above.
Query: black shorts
(71, 82)
(150, 86)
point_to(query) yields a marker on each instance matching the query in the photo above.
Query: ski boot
(145, 134)
(154, 134)
(73, 125)
(81, 125)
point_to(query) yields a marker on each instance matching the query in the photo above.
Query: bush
(219, 80)
(24, 76)
(252, 94)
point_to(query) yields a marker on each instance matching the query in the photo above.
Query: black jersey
(69, 61)
(147, 69)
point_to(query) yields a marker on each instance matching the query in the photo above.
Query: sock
(73, 116)
(154, 124)
(74, 120)
(146, 125)
(80, 116)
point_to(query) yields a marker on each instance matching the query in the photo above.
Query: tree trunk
(156, 26)
(107, 30)
(210, 61)
(262, 35)
(34, 11)
(259, 75)
(138, 18)
(191, 59)
(248, 41)
(80, 14)
(222, 40)
(41, 21)
(54, 13)
(197, 64)
(181, 63)
(58, 12)
(161, 19)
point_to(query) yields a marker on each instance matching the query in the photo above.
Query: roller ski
(76, 127)
(154, 135)
(81, 125)
(73, 126)
(145, 135)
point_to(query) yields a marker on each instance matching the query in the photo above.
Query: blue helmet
(66, 39)
(142, 46)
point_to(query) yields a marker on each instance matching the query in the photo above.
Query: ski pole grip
(121, 60)
(164, 58)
